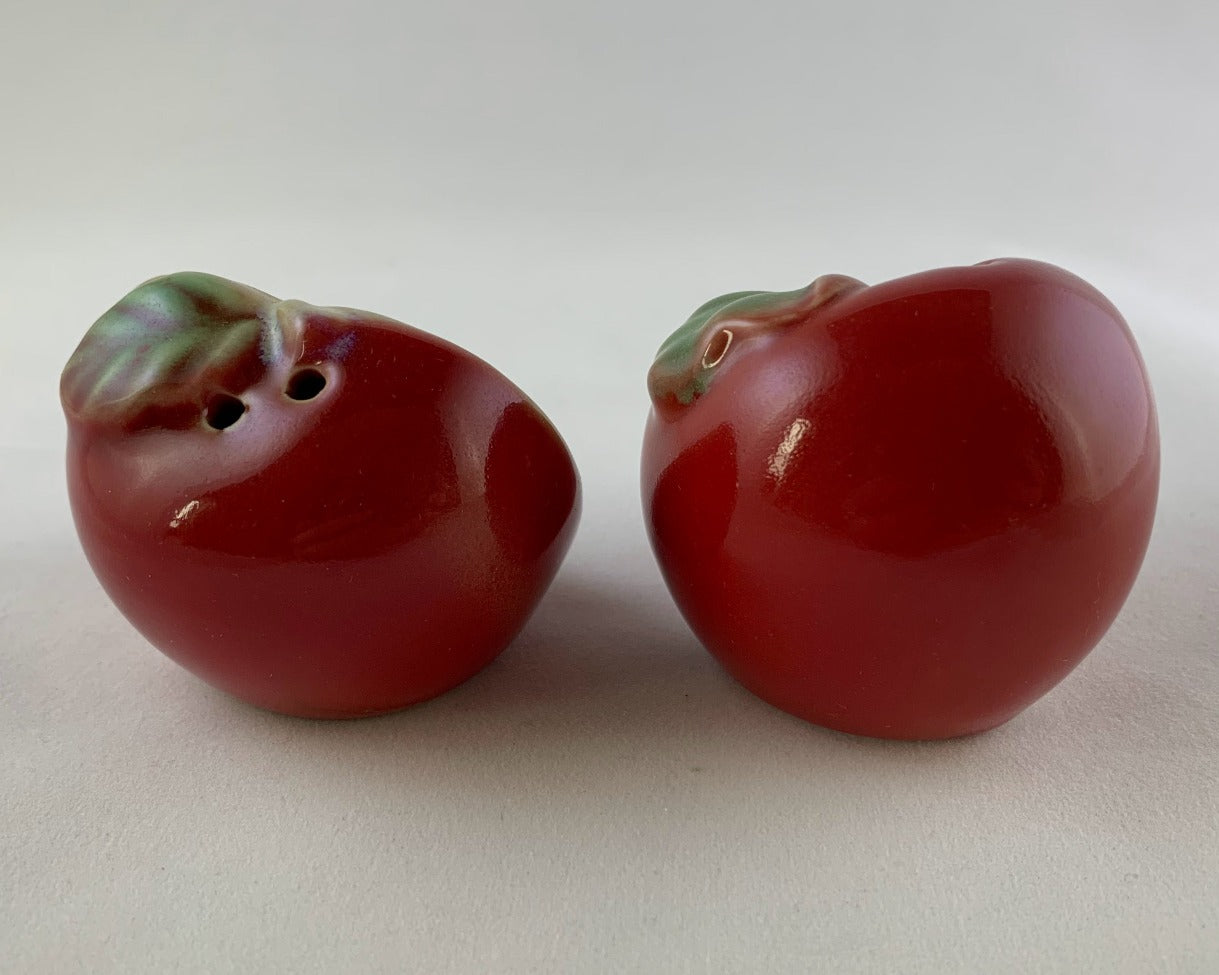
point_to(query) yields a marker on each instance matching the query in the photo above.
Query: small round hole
(305, 384)
(223, 411)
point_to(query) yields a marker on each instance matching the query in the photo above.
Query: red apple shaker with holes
(321, 511)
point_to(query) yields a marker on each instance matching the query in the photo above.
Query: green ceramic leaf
(682, 371)
(165, 339)
(678, 370)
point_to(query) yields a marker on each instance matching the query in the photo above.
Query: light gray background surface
(555, 185)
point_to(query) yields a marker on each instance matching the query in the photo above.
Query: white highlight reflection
(787, 447)
(183, 513)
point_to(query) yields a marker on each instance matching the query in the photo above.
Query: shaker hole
(305, 384)
(223, 411)
(717, 349)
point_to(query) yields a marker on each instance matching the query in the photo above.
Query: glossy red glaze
(343, 555)
(910, 511)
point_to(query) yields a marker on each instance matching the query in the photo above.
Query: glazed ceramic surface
(905, 510)
(322, 511)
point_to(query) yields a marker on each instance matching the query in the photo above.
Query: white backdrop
(555, 186)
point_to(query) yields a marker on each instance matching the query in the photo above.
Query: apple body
(321, 511)
(906, 510)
